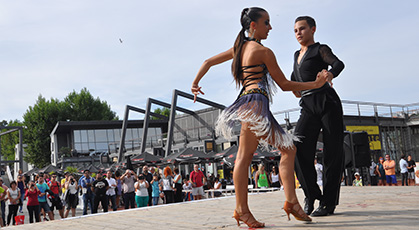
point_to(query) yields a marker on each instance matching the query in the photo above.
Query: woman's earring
(253, 34)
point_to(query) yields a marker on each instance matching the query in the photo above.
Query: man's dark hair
(310, 21)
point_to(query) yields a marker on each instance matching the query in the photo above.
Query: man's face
(195, 167)
(54, 178)
(145, 169)
(41, 179)
(87, 174)
(303, 32)
(387, 157)
(109, 174)
(152, 169)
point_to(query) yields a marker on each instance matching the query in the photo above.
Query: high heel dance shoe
(248, 219)
(296, 210)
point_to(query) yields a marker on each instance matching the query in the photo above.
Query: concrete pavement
(360, 208)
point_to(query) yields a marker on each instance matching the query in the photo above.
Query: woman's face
(13, 186)
(262, 26)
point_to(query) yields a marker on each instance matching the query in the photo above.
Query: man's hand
(327, 74)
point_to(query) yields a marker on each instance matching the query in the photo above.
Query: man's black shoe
(332, 210)
(308, 206)
(322, 210)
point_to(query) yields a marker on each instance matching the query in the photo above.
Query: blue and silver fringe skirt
(252, 107)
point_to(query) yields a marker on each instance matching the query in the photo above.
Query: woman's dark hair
(176, 170)
(13, 182)
(248, 15)
(310, 21)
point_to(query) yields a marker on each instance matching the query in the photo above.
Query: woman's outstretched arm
(269, 59)
(215, 60)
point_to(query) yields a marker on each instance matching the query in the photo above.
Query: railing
(359, 108)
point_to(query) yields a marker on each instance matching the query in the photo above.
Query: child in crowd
(155, 189)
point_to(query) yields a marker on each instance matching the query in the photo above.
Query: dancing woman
(255, 69)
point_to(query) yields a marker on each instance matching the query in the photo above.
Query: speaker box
(361, 146)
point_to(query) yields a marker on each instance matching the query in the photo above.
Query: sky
(52, 48)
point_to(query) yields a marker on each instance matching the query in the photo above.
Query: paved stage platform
(360, 208)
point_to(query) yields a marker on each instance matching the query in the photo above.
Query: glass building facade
(102, 140)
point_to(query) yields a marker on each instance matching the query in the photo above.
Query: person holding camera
(33, 204)
(87, 189)
(71, 198)
(141, 191)
(128, 180)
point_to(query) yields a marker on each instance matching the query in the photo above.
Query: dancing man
(321, 110)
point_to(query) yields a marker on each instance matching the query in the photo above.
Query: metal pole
(123, 133)
(171, 124)
(21, 148)
(145, 126)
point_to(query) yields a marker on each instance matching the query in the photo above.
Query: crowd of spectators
(47, 195)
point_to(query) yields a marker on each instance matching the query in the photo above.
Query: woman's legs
(248, 144)
(31, 212)
(286, 168)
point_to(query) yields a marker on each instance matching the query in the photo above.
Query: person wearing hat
(358, 180)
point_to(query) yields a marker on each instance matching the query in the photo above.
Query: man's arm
(331, 59)
(391, 165)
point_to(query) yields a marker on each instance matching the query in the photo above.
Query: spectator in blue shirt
(42, 198)
(86, 187)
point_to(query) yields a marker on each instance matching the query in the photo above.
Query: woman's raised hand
(196, 90)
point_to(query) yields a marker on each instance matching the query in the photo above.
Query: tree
(9, 141)
(84, 107)
(71, 170)
(165, 111)
(41, 119)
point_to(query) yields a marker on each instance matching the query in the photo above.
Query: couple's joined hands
(322, 77)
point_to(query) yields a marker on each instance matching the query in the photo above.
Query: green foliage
(71, 170)
(65, 151)
(41, 119)
(165, 111)
(84, 107)
(9, 141)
